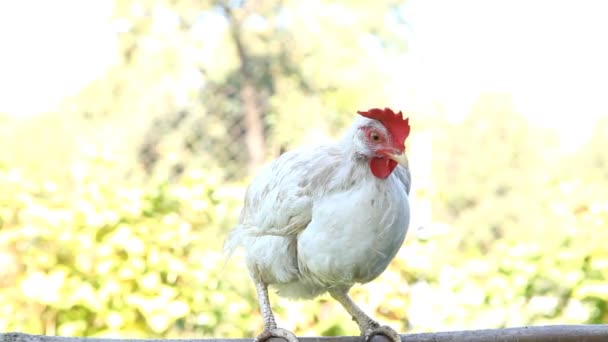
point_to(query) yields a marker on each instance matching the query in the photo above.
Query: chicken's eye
(375, 136)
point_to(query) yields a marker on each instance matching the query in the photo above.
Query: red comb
(394, 123)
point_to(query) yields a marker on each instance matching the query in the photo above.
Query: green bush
(131, 260)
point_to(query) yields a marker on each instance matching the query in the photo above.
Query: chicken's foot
(270, 325)
(368, 326)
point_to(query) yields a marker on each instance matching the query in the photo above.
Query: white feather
(317, 218)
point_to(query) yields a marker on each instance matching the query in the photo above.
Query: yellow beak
(400, 158)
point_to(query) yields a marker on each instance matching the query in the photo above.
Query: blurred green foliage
(101, 234)
(103, 260)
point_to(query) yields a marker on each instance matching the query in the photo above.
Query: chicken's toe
(383, 330)
(276, 332)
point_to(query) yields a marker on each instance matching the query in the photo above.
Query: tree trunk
(254, 127)
(254, 134)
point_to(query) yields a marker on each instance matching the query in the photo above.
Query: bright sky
(552, 56)
(50, 49)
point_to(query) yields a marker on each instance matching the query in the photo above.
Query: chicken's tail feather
(233, 241)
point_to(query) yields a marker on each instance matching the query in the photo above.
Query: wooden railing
(557, 333)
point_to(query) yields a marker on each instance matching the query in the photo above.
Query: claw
(382, 330)
(276, 332)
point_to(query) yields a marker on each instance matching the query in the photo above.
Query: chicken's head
(382, 140)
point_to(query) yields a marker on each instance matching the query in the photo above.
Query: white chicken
(322, 219)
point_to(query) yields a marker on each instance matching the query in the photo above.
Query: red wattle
(382, 167)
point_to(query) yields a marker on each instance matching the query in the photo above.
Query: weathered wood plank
(558, 333)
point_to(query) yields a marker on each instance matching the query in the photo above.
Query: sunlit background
(130, 129)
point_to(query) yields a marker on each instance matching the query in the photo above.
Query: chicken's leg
(270, 326)
(368, 326)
